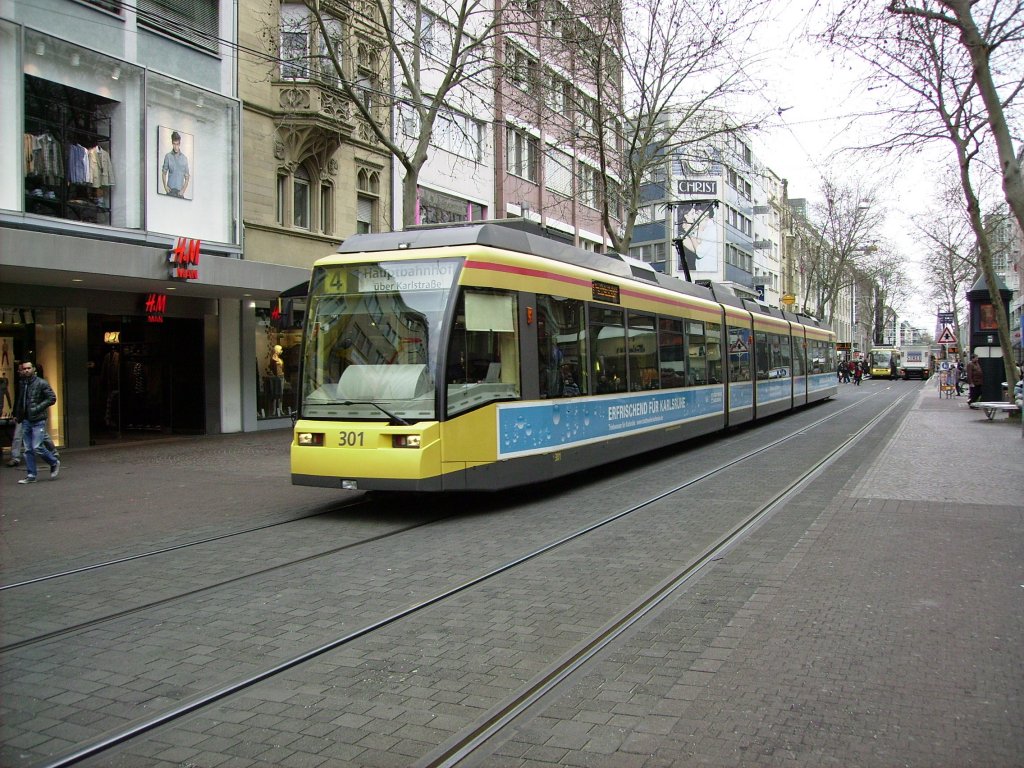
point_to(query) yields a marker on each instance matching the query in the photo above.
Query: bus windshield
(373, 333)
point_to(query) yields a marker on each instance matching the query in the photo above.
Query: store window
(278, 348)
(81, 142)
(35, 335)
(439, 208)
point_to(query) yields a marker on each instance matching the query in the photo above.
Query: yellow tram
(485, 356)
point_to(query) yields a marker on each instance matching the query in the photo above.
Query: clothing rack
(71, 118)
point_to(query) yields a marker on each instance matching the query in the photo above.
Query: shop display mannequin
(276, 380)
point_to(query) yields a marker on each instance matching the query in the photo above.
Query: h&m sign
(184, 259)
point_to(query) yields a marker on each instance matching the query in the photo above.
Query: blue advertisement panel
(820, 381)
(529, 428)
(741, 395)
(774, 389)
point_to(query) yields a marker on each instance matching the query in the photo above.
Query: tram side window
(739, 353)
(563, 351)
(785, 356)
(762, 354)
(483, 352)
(608, 349)
(672, 352)
(799, 356)
(643, 353)
(697, 356)
(713, 335)
(773, 355)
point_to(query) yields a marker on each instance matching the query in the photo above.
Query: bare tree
(930, 80)
(998, 35)
(950, 264)
(883, 266)
(680, 62)
(845, 226)
(430, 62)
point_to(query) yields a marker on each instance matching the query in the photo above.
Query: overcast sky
(819, 93)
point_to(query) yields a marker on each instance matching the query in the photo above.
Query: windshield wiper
(380, 408)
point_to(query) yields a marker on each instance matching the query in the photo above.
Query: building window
(459, 134)
(300, 198)
(522, 67)
(590, 183)
(439, 208)
(326, 209)
(282, 193)
(558, 171)
(521, 154)
(113, 6)
(305, 52)
(196, 21)
(367, 81)
(368, 184)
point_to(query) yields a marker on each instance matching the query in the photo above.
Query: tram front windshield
(373, 338)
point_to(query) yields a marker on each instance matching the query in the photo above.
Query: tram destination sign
(607, 292)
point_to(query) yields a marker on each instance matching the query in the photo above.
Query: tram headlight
(310, 438)
(405, 441)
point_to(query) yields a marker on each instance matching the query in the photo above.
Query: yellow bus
(884, 363)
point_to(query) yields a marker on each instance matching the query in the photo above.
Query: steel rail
(174, 548)
(75, 628)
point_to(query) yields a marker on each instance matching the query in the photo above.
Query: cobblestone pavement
(870, 622)
(888, 634)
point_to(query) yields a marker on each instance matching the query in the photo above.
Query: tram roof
(521, 237)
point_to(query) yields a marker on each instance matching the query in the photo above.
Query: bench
(992, 408)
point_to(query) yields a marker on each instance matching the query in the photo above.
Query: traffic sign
(946, 337)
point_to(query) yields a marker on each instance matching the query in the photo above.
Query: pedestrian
(858, 374)
(975, 379)
(893, 371)
(958, 376)
(35, 396)
(840, 370)
(18, 441)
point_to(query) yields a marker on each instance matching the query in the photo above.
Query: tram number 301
(350, 439)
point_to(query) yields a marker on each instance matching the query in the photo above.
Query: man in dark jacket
(35, 396)
(975, 379)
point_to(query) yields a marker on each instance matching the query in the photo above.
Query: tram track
(466, 745)
(81, 626)
(84, 625)
(458, 750)
(173, 548)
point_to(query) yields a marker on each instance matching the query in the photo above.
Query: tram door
(145, 379)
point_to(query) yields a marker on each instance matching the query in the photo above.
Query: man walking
(975, 379)
(35, 396)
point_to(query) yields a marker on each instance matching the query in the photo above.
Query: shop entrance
(145, 379)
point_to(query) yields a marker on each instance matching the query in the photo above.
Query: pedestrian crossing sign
(946, 337)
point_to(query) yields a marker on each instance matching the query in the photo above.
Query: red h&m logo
(184, 259)
(156, 306)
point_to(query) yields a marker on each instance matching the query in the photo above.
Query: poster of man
(174, 150)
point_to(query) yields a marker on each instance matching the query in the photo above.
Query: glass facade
(35, 335)
(98, 141)
(278, 349)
